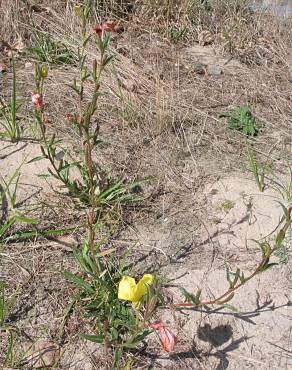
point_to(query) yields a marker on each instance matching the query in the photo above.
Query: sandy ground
(201, 211)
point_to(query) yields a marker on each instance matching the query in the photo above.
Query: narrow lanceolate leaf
(38, 233)
(236, 277)
(35, 159)
(92, 338)
(195, 299)
(27, 220)
(268, 266)
(230, 307)
(280, 238)
(4, 228)
(81, 283)
(133, 343)
(108, 60)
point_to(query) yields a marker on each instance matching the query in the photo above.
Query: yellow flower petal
(127, 288)
(141, 288)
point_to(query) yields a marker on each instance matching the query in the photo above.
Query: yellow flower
(130, 291)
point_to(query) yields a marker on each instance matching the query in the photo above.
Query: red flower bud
(37, 100)
(97, 29)
(108, 26)
(167, 339)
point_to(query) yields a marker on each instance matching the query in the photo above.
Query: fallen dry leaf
(19, 46)
(40, 9)
(205, 38)
(3, 67)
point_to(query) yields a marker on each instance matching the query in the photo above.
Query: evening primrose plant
(121, 310)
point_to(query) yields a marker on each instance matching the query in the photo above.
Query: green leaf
(241, 119)
(265, 247)
(268, 266)
(92, 338)
(108, 60)
(82, 284)
(114, 333)
(37, 233)
(282, 254)
(285, 210)
(117, 357)
(43, 175)
(6, 226)
(280, 238)
(35, 159)
(195, 299)
(230, 307)
(27, 220)
(137, 339)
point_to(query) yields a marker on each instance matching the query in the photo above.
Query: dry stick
(225, 296)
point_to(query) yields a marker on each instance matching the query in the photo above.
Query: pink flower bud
(37, 100)
(108, 26)
(97, 29)
(167, 339)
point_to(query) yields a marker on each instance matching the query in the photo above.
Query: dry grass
(160, 119)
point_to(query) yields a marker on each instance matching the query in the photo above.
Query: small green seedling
(177, 34)
(225, 206)
(241, 119)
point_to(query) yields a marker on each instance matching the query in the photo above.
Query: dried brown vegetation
(179, 65)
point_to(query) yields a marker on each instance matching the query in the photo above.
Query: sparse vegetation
(8, 112)
(129, 194)
(45, 49)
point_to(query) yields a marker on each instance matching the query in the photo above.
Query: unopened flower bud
(37, 100)
(167, 339)
(44, 71)
(77, 10)
(97, 29)
(108, 26)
